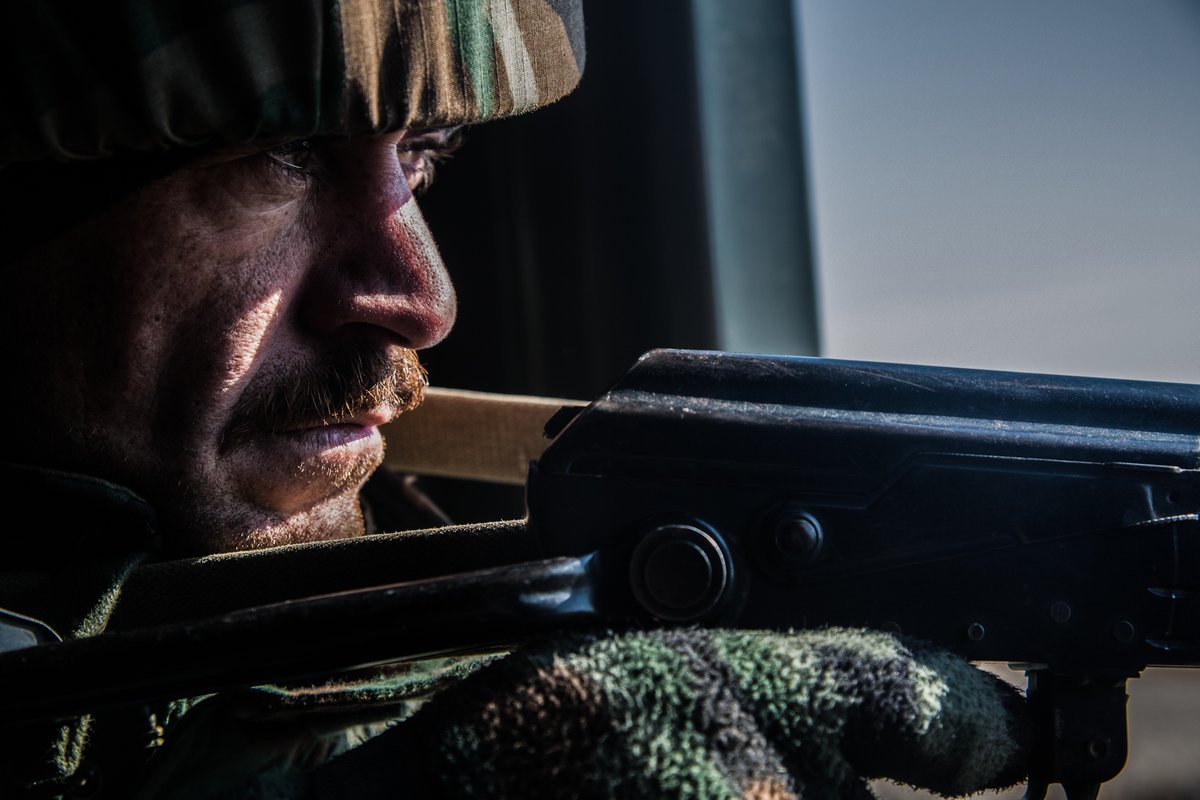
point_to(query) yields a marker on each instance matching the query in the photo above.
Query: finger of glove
(880, 707)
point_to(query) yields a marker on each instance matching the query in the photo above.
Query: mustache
(343, 384)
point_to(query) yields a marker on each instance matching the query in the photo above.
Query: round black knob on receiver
(796, 535)
(679, 572)
(789, 541)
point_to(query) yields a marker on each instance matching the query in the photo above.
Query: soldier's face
(227, 340)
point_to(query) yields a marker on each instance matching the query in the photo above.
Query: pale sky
(1007, 185)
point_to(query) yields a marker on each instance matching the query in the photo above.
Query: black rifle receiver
(1042, 520)
(1048, 521)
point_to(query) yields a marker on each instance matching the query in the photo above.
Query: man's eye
(296, 157)
(419, 153)
(418, 168)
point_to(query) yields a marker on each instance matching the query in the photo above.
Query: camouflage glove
(699, 714)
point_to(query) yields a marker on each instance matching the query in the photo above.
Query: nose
(379, 266)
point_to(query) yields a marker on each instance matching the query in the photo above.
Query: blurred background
(1007, 184)
(1010, 185)
(1013, 185)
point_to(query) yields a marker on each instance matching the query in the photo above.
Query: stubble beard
(205, 517)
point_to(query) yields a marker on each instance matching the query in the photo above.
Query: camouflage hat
(89, 80)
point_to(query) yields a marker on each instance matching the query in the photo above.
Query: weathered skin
(193, 308)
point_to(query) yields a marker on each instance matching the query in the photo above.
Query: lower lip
(291, 471)
(332, 440)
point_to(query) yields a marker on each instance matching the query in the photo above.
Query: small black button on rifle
(1098, 749)
(1060, 612)
(679, 572)
(797, 536)
(1123, 631)
(788, 541)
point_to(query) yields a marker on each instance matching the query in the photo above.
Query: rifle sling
(192, 588)
(477, 435)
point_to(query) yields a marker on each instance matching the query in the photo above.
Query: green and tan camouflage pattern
(89, 80)
(702, 715)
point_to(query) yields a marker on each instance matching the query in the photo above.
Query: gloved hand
(699, 714)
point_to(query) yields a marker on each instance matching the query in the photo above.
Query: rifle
(1047, 521)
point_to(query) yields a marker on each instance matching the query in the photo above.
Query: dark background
(576, 235)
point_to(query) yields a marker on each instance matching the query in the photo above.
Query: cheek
(245, 340)
(200, 306)
(232, 320)
(136, 330)
(222, 272)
